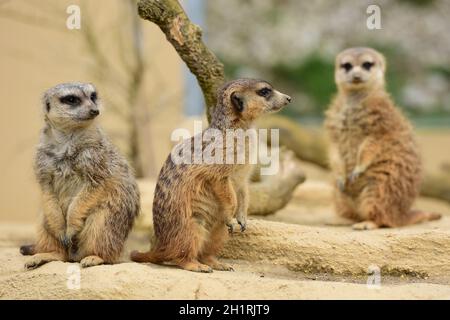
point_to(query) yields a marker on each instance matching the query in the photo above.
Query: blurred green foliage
(313, 76)
(442, 70)
(231, 68)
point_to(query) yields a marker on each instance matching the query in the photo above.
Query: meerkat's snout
(280, 100)
(287, 98)
(94, 112)
(357, 78)
(358, 68)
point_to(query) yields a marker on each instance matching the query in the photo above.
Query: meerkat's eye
(264, 92)
(71, 100)
(367, 65)
(94, 97)
(347, 66)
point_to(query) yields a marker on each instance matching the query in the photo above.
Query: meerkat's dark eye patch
(264, 92)
(71, 100)
(237, 102)
(94, 97)
(347, 66)
(367, 65)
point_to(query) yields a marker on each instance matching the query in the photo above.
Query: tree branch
(308, 145)
(186, 38)
(437, 186)
(273, 192)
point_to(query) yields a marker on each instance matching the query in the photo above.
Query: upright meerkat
(193, 203)
(373, 154)
(90, 196)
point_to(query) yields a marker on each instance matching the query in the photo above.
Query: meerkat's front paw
(243, 225)
(65, 241)
(42, 258)
(70, 233)
(230, 227)
(365, 225)
(241, 218)
(69, 240)
(340, 183)
(34, 262)
(356, 173)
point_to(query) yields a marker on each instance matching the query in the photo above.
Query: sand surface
(301, 252)
(252, 279)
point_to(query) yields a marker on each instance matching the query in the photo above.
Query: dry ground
(302, 252)
(314, 256)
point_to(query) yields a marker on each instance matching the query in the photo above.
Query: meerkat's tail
(150, 256)
(417, 216)
(28, 250)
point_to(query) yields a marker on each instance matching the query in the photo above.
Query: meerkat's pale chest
(349, 132)
(66, 181)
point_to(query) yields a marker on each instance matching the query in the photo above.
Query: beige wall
(37, 52)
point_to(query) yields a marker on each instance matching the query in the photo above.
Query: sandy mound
(305, 252)
(128, 280)
(342, 251)
(138, 281)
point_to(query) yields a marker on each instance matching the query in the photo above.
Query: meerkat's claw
(356, 173)
(66, 241)
(243, 225)
(33, 264)
(340, 183)
(230, 227)
(353, 176)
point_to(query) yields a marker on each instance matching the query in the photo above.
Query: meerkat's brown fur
(90, 196)
(193, 203)
(373, 153)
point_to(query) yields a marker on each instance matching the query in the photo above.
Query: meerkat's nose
(288, 98)
(94, 112)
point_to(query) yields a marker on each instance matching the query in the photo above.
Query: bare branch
(186, 39)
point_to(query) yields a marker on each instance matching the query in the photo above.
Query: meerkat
(90, 196)
(373, 153)
(194, 203)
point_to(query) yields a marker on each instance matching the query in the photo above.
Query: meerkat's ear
(237, 101)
